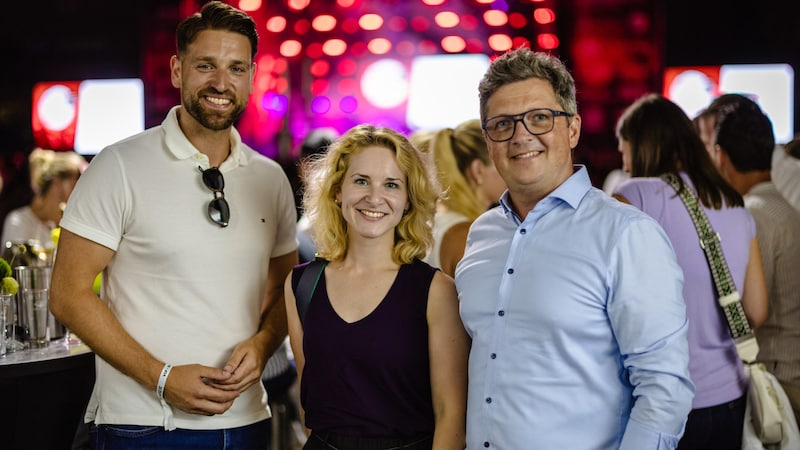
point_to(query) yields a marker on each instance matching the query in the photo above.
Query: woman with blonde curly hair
(53, 176)
(381, 352)
(472, 186)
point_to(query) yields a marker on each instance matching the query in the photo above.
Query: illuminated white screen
(443, 90)
(109, 110)
(769, 85)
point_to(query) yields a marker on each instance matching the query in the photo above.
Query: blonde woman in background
(472, 185)
(53, 176)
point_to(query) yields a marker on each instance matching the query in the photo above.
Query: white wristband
(169, 423)
(162, 380)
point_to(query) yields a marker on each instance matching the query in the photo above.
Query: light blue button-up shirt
(578, 326)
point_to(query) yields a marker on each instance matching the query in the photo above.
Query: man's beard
(213, 120)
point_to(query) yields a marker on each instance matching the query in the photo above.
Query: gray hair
(522, 64)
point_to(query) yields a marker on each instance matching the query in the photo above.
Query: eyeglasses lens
(536, 121)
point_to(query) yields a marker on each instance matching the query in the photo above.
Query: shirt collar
(571, 191)
(181, 148)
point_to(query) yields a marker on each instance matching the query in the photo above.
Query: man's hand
(193, 389)
(244, 366)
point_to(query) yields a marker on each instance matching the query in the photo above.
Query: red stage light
(302, 26)
(475, 46)
(397, 23)
(347, 86)
(517, 20)
(319, 86)
(427, 47)
(281, 85)
(419, 24)
(358, 49)
(314, 50)
(434, 2)
(544, 15)
(469, 22)
(347, 67)
(520, 41)
(639, 22)
(547, 41)
(350, 25)
(266, 64)
(319, 68)
(281, 65)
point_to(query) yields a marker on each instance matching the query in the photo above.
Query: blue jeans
(135, 437)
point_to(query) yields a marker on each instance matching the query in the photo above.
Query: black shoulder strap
(307, 285)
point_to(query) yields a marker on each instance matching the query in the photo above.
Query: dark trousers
(331, 441)
(716, 427)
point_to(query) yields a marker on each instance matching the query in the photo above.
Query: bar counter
(43, 395)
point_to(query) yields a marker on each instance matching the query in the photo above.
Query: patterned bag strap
(307, 285)
(729, 298)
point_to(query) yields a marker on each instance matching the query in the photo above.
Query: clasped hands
(198, 389)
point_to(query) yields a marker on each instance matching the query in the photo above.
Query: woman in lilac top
(381, 351)
(657, 138)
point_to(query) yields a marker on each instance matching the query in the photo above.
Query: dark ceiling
(76, 39)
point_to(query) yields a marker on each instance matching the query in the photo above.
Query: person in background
(786, 171)
(572, 299)
(314, 145)
(194, 232)
(472, 185)
(657, 138)
(53, 176)
(421, 139)
(745, 143)
(381, 354)
(705, 123)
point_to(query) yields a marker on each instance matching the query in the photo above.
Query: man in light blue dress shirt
(572, 299)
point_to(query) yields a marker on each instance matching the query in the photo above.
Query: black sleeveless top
(370, 378)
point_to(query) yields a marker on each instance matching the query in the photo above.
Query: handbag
(763, 402)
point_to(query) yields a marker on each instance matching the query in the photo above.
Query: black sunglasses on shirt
(218, 209)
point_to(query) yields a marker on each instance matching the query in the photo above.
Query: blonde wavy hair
(48, 165)
(325, 174)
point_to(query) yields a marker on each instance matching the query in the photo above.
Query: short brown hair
(216, 15)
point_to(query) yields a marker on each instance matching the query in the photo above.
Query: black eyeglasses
(218, 210)
(536, 121)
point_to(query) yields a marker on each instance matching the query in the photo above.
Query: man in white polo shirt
(194, 233)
